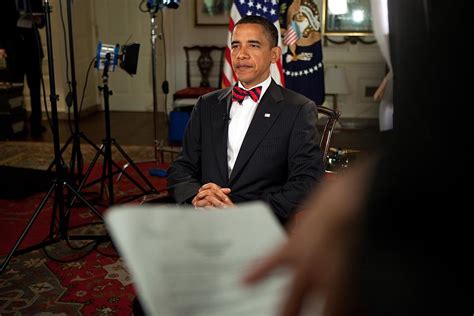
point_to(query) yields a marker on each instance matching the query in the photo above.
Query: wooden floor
(136, 128)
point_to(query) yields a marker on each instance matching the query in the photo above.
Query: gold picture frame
(353, 19)
(212, 12)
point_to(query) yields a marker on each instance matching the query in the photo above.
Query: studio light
(107, 58)
(155, 5)
(126, 57)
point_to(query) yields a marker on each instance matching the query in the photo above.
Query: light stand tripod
(77, 135)
(152, 7)
(60, 182)
(106, 150)
(157, 144)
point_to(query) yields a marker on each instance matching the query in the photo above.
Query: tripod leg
(88, 172)
(89, 141)
(129, 177)
(76, 158)
(110, 176)
(80, 197)
(134, 166)
(104, 176)
(61, 153)
(53, 218)
(28, 226)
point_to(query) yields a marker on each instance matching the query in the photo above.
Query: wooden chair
(209, 61)
(203, 75)
(331, 116)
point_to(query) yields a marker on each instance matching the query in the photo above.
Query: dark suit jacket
(23, 45)
(280, 159)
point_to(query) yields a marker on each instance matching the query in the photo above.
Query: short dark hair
(270, 29)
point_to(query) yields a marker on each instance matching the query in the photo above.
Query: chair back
(331, 117)
(203, 75)
(206, 58)
(203, 71)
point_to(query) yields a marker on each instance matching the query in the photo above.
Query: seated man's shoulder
(216, 95)
(294, 98)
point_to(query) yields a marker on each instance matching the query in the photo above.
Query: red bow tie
(239, 94)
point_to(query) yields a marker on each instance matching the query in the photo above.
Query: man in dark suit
(256, 141)
(20, 44)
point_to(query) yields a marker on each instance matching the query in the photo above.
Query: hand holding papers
(191, 263)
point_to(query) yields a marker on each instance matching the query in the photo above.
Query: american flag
(266, 8)
(291, 34)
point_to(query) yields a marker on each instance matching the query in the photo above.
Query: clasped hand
(212, 195)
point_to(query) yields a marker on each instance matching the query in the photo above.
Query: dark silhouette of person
(20, 43)
(392, 237)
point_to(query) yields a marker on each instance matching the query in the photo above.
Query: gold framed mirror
(347, 18)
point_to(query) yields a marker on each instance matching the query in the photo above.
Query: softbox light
(126, 57)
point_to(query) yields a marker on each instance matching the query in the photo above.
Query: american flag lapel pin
(267, 115)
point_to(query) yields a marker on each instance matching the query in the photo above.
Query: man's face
(252, 54)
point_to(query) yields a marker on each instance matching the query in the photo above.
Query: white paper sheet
(191, 262)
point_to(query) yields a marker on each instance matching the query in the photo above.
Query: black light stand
(152, 7)
(60, 181)
(157, 143)
(77, 135)
(106, 151)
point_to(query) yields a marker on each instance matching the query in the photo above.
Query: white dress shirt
(240, 117)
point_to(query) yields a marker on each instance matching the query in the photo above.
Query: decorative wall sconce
(349, 19)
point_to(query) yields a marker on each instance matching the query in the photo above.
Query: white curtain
(381, 31)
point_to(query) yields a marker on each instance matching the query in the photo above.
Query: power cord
(68, 98)
(85, 84)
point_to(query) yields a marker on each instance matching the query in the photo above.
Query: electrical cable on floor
(61, 260)
(116, 255)
(93, 244)
(51, 257)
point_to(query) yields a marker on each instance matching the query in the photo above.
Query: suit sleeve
(305, 166)
(185, 173)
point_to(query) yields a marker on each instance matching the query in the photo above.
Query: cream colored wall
(365, 67)
(114, 21)
(83, 49)
(188, 35)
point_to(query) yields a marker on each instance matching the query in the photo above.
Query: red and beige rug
(94, 282)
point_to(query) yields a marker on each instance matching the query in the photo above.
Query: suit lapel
(265, 116)
(219, 132)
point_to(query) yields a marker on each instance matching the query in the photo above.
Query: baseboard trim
(85, 112)
(357, 123)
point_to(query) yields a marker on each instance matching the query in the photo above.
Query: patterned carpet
(38, 155)
(94, 285)
(95, 281)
